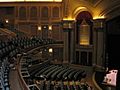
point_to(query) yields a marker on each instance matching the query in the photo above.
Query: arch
(78, 10)
(22, 13)
(84, 18)
(55, 12)
(84, 15)
(44, 12)
(84, 35)
(33, 12)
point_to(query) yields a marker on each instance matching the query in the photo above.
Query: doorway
(44, 31)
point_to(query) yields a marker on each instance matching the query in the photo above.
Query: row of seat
(55, 72)
(4, 75)
(58, 72)
(61, 85)
(30, 42)
(9, 49)
(21, 44)
(16, 45)
(48, 73)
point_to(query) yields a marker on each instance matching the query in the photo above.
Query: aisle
(13, 78)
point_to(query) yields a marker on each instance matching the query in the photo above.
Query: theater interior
(59, 44)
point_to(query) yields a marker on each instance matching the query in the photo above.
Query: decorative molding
(66, 8)
(110, 10)
(97, 3)
(79, 9)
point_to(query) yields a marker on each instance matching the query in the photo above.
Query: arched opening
(84, 37)
(55, 12)
(22, 13)
(33, 13)
(87, 17)
(44, 12)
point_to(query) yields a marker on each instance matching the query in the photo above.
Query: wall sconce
(50, 50)
(39, 28)
(6, 21)
(50, 27)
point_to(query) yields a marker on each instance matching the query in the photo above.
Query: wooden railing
(22, 82)
(20, 78)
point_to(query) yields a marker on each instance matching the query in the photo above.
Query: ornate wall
(101, 11)
(46, 20)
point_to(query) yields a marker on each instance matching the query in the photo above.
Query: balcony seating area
(50, 76)
(4, 75)
(9, 50)
(52, 71)
(61, 85)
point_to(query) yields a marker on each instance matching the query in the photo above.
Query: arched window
(84, 34)
(33, 13)
(55, 12)
(56, 31)
(22, 13)
(44, 12)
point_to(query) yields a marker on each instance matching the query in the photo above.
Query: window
(56, 31)
(44, 31)
(84, 33)
(55, 12)
(33, 13)
(22, 13)
(44, 12)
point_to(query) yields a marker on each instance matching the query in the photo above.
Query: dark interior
(113, 42)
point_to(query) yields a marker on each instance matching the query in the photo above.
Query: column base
(65, 62)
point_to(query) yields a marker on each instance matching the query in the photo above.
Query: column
(99, 42)
(66, 48)
(68, 41)
(72, 44)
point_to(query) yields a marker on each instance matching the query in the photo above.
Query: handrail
(95, 83)
(21, 80)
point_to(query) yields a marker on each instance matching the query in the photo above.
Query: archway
(84, 15)
(84, 37)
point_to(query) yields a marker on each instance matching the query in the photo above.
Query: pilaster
(68, 41)
(99, 42)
